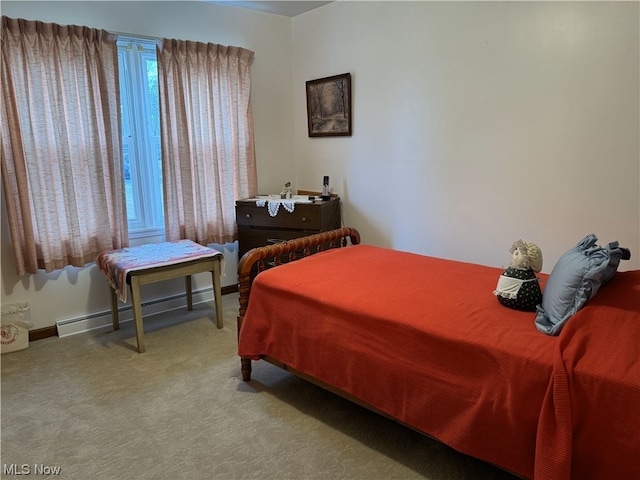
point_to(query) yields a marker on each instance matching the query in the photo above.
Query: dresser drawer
(249, 238)
(305, 216)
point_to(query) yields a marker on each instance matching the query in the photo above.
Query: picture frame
(329, 112)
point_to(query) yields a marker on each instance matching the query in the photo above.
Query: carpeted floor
(92, 407)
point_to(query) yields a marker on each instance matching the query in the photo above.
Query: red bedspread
(425, 341)
(592, 412)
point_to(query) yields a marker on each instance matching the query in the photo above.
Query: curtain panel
(61, 145)
(207, 138)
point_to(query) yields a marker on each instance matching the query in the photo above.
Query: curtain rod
(135, 35)
(148, 37)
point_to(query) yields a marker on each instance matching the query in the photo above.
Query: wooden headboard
(291, 251)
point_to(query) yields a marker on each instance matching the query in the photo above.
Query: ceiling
(288, 8)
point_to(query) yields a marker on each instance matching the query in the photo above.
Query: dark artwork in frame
(329, 106)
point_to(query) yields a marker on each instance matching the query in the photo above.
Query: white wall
(477, 124)
(76, 292)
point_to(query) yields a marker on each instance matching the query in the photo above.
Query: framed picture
(329, 106)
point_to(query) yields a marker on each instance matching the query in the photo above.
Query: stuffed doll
(518, 285)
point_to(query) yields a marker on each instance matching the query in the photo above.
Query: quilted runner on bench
(115, 265)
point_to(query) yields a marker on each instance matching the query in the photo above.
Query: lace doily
(274, 205)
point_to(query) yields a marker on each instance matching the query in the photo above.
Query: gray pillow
(616, 253)
(575, 279)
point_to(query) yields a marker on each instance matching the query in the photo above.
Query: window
(64, 194)
(142, 158)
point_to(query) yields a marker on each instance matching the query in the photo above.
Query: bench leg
(217, 293)
(137, 312)
(114, 308)
(187, 281)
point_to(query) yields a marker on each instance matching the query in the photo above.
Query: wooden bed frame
(572, 400)
(258, 258)
(556, 422)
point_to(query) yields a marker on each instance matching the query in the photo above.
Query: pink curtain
(61, 145)
(207, 138)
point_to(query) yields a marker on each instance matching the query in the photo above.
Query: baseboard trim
(40, 333)
(73, 326)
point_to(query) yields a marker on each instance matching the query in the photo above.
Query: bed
(422, 340)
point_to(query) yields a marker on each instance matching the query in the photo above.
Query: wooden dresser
(257, 228)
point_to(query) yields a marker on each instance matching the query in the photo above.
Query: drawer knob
(304, 219)
(248, 215)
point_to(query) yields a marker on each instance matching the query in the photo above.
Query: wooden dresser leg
(246, 368)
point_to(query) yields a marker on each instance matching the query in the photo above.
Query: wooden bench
(136, 266)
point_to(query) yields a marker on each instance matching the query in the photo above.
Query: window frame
(140, 146)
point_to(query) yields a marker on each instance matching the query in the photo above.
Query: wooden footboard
(272, 255)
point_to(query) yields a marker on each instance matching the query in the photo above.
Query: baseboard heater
(103, 319)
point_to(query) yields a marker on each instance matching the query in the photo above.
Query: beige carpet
(93, 407)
